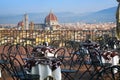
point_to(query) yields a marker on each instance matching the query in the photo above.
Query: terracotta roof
(21, 23)
(50, 17)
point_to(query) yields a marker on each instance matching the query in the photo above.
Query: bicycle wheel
(71, 47)
(60, 53)
(109, 73)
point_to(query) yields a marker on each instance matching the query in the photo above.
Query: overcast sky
(76, 6)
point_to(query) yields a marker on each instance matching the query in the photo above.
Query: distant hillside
(106, 15)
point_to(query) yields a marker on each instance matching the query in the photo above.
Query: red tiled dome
(50, 17)
(21, 23)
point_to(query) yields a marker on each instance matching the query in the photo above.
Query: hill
(106, 15)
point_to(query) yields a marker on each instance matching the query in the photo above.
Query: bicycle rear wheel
(109, 73)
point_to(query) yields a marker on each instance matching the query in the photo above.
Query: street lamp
(118, 20)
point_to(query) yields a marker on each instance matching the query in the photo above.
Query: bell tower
(26, 21)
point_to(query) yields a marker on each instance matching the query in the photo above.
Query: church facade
(50, 23)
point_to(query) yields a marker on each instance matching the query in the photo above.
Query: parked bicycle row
(75, 60)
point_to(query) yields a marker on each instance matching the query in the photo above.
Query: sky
(33, 6)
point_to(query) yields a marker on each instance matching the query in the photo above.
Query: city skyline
(76, 6)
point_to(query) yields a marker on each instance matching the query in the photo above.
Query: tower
(31, 25)
(26, 22)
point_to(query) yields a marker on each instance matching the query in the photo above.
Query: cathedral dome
(51, 19)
